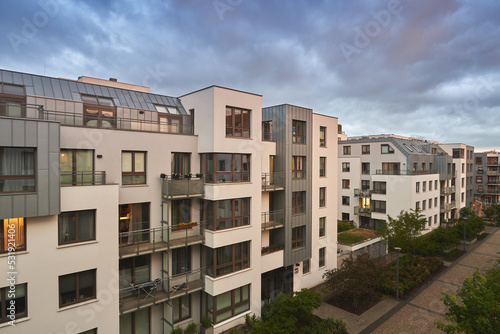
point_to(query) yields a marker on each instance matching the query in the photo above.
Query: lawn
(354, 236)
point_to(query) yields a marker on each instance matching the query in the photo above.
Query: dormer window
(99, 112)
(167, 110)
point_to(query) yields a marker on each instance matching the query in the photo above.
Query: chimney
(113, 79)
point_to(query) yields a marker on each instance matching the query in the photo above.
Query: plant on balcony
(188, 175)
(163, 175)
(176, 176)
(191, 224)
(192, 328)
(265, 250)
(200, 175)
(206, 323)
(183, 226)
(177, 331)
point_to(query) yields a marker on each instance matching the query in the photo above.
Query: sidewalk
(419, 313)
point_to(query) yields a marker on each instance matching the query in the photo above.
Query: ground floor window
(17, 296)
(135, 323)
(228, 304)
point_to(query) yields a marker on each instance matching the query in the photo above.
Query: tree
(358, 277)
(292, 313)
(479, 310)
(403, 231)
(492, 211)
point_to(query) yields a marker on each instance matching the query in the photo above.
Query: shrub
(344, 226)
(192, 328)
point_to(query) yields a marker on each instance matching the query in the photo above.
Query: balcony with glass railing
(364, 193)
(273, 219)
(87, 178)
(447, 207)
(273, 181)
(447, 190)
(183, 187)
(157, 239)
(360, 211)
(160, 290)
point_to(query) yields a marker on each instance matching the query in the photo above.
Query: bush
(177, 331)
(344, 226)
(192, 328)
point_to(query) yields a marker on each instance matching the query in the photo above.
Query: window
(345, 200)
(463, 167)
(346, 184)
(237, 122)
(77, 287)
(298, 202)
(298, 167)
(463, 182)
(134, 270)
(436, 184)
(430, 203)
(14, 295)
(267, 131)
(417, 206)
(462, 197)
(181, 212)
(430, 185)
(346, 167)
(424, 184)
(181, 308)
(430, 220)
(306, 266)
(181, 260)
(167, 110)
(133, 217)
(390, 168)
(346, 150)
(90, 331)
(479, 160)
(298, 132)
(365, 168)
(12, 235)
(379, 206)
(386, 149)
(322, 197)
(346, 216)
(435, 219)
(229, 304)
(435, 201)
(365, 149)
(322, 166)
(12, 101)
(417, 187)
(322, 136)
(226, 167)
(322, 226)
(423, 204)
(379, 187)
(17, 169)
(322, 253)
(133, 167)
(99, 112)
(479, 179)
(228, 259)
(365, 185)
(181, 163)
(76, 226)
(136, 322)
(169, 119)
(480, 189)
(227, 213)
(77, 167)
(298, 237)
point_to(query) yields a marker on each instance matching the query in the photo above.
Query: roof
(64, 89)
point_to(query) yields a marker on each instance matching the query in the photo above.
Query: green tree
(403, 231)
(493, 211)
(479, 310)
(357, 276)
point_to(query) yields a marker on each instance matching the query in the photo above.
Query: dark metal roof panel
(7, 77)
(98, 90)
(56, 86)
(47, 87)
(27, 80)
(65, 90)
(17, 78)
(37, 85)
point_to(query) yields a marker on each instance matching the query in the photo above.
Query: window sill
(241, 315)
(78, 244)
(16, 253)
(134, 185)
(64, 308)
(234, 137)
(6, 324)
(228, 275)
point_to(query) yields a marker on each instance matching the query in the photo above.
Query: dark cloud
(430, 68)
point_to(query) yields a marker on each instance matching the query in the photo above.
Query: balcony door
(181, 163)
(77, 167)
(134, 223)
(390, 168)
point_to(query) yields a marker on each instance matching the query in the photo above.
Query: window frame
(298, 236)
(215, 221)
(298, 167)
(182, 317)
(100, 109)
(386, 149)
(346, 184)
(20, 176)
(77, 288)
(365, 149)
(322, 227)
(298, 132)
(346, 150)
(133, 173)
(6, 236)
(75, 168)
(298, 202)
(6, 98)
(378, 207)
(77, 240)
(322, 166)
(322, 136)
(212, 174)
(233, 262)
(306, 269)
(322, 197)
(233, 306)
(346, 200)
(322, 257)
(380, 187)
(346, 167)
(233, 128)
(178, 165)
(4, 295)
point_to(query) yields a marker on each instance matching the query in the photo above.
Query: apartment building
(487, 177)
(381, 175)
(126, 211)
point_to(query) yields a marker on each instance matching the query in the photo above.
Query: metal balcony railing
(183, 187)
(160, 290)
(446, 207)
(404, 172)
(83, 178)
(362, 193)
(267, 136)
(21, 110)
(362, 211)
(493, 172)
(273, 219)
(447, 190)
(273, 181)
(156, 239)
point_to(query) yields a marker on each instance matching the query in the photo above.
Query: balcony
(183, 188)
(273, 181)
(493, 172)
(91, 178)
(447, 191)
(139, 296)
(267, 136)
(362, 211)
(366, 193)
(404, 172)
(271, 260)
(159, 239)
(273, 219)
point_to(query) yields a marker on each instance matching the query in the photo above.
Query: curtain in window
(17, 161)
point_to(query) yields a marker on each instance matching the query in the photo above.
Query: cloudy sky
(423, 68)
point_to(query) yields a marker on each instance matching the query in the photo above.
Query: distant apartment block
(487, 177)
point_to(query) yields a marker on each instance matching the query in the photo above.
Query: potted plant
(191, 224)
(176, 176)
(200, 175)
(188, 175)
(163, 175)
(192, 328)
(177, 331)
(265, 250)
(206, 324)
(183, 226)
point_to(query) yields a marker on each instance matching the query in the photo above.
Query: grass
(354, 236)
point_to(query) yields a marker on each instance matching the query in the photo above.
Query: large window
(12, 100)
(13, 235)
(228, 259)
(298, 132)
(386, 149)
(182, 308)
(365, 168)
(181, 212)
(77, 167)
(298, 234)
(298, 202)
(226, 167)
(322, 136)
(77, 287)
(237, 122)
(16, 295)
(76, 226)
(136, 322)
(322, 255)
(298, 167)
(322, 197)
(227, 213)
(379, 187)
(229, 304)
(322, 166)
(134, 270)
(99, 112)
(17, 169)
(346, 200)
(181, 163)
(379, 206)
(133, 167)
(181, 260)
(134, 223)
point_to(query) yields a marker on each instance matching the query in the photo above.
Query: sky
(423, 68)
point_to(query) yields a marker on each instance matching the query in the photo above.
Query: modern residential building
(382, 175)
(487, 177)
(125, 211)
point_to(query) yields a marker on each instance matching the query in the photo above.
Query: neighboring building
(487, 177)
(379, 176)
(116, 231)
(463, 160)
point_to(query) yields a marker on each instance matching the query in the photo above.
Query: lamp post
(397, 273)
(465, 230)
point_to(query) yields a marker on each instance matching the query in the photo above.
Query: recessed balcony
(362, 193)
(182, 187)
(447, 190)
(273, 219)
(273, 181)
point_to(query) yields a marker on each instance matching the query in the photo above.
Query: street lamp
(397, 273)
(465, 230)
